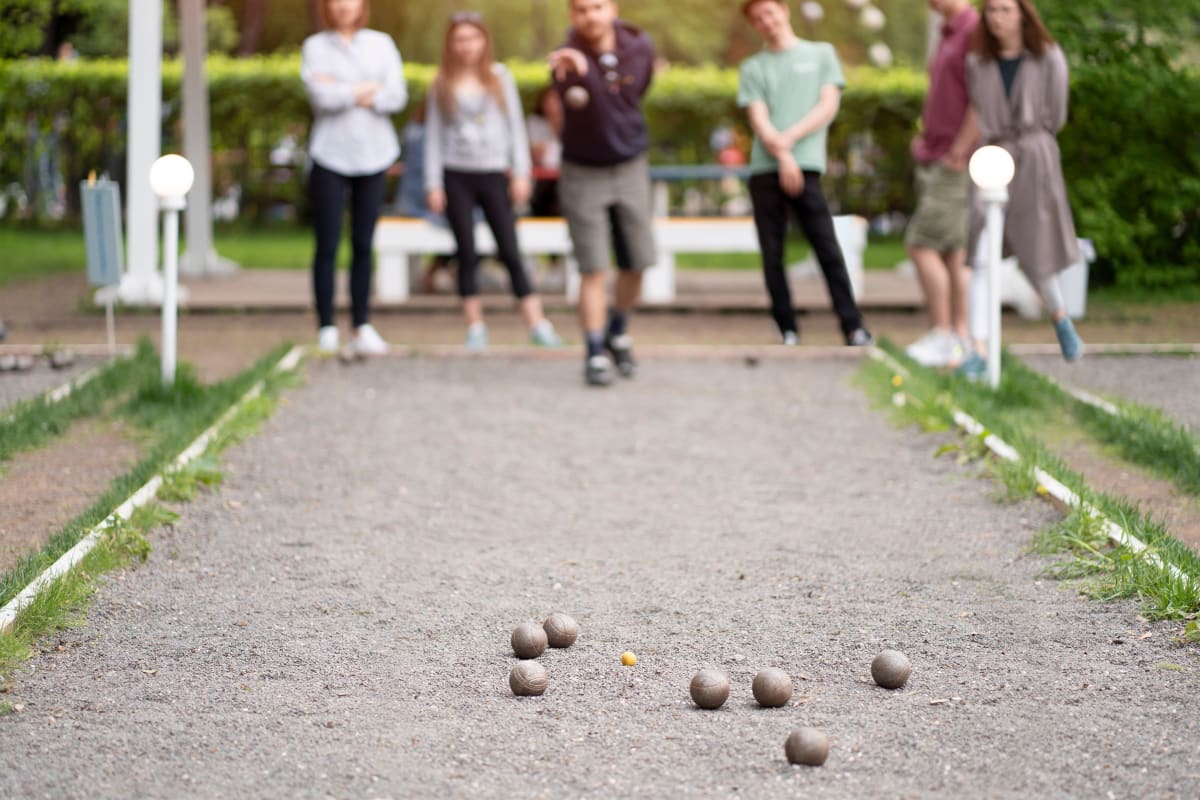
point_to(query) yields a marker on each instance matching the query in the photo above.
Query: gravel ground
(334, 622)
(25, 385)
(1168, 383)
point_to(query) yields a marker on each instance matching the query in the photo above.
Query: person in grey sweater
(475, 135)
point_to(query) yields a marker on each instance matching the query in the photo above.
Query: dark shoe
(621, 348)
(597, 371)
(860, 337)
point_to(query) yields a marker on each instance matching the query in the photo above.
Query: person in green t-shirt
(791, 91)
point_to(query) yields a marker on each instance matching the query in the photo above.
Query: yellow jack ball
(628, 658)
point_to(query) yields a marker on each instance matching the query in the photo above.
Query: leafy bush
(1131, 151)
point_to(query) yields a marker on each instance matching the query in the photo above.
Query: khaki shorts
(586, 194)
(940, 221)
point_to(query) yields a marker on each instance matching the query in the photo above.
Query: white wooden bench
(399, 241)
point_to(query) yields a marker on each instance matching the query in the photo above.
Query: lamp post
(170, 177)
(992, 170)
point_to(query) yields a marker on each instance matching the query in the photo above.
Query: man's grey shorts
(940, 221)
(586, 193)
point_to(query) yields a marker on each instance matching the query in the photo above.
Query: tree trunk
(254, 20)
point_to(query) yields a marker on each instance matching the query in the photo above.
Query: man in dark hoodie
(602, 73)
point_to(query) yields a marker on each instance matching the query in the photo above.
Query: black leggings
(770, 218)
(327, 193)
(489, 191)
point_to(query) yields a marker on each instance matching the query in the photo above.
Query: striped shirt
(347, 138)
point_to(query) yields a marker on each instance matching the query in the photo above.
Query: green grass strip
(1139, 434)
(928, 399)
(172, 418)
(32, 423)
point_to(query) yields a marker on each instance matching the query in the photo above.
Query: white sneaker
(789, 339)
(327, 340)
(938, 348)
(477, 337)
(368, 342)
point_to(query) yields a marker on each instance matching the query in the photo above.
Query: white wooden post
(142, 283)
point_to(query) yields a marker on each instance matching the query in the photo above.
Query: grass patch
(48, 251)
(1110, 571)
(32, 423)
(180, 416)
(170, 420)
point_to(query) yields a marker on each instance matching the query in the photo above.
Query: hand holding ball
(576, 97)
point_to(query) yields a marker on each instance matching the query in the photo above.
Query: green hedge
(1131, 151)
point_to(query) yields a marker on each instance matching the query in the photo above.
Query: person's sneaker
(368, 342)
(790, 339)
(938, 348)
(477, 337)
(860, 337)
(973, 367)
(1068, 340)
(597, 371)
(621, 348)
(327, 340)
(543, 334)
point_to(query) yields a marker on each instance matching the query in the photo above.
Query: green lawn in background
(31, 253)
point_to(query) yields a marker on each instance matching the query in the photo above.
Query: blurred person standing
(937, 233)
(477, 156)
(602, 72)
(354, 78)
(792, 91)
(1017, 80)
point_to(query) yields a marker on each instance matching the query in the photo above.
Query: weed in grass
(150, 516)
(1018, 478)
(7, 708)
(1191, 632)
(1171, 667)
(181, 485)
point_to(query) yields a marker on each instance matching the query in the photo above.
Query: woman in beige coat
(1017, 81)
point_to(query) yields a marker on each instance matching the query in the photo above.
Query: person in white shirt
(477, 155)
(355, 82)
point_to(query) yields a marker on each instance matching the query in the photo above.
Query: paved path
(1170, 383)
(334, 622)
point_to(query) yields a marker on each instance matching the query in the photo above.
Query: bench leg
(658, 284)
(391, 276)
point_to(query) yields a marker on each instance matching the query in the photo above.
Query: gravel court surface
(335, 620)
(1170, 383)
(16, 386)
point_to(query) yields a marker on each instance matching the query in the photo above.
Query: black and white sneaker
(621, 348)
(597, 371)
(860, 337)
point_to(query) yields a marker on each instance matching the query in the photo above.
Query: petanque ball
(576, 97)
(772, 688)
(527, 679)
(807, 746)
(891, 669)
(561, 630)
(709, 688)
(528, 640)
(628, 658)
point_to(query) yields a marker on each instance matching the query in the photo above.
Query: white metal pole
(170, 289)
(142, 283)
(995, 200)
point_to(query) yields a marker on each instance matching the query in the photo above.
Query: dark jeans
(770, 218)
(327, 192)
(489, 191)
